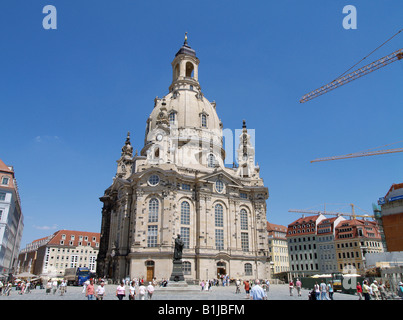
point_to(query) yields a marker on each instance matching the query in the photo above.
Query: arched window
(153, 208)
(185, 212)
(219, 215)
(244, 219)
(189, 69)
(248, 269)
(204, 120)
(211, 161)
(172, 117)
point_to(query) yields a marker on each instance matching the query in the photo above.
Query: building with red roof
(63, 249)
(392, 217)
(354, 239)
(278, 248)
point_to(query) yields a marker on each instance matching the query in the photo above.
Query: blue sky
(69, 96)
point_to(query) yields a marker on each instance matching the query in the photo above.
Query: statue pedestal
(177, 279)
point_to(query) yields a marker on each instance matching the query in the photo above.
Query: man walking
(298, 284)
(257, 292)
(323, 291)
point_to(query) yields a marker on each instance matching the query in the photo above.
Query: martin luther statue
(178, 248)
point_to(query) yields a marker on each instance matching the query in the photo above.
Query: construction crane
(395, 56)
(341, 80)
(360, 154)
(352, 215)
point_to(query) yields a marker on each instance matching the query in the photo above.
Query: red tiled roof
(66, 237)
(5, 168)
(275, 227)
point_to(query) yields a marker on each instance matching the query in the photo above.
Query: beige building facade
(180, 184)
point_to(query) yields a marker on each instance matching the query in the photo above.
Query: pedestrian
(28, 286)
(238, 284)
(317, 291)
(323, 291)
(121, 290)
(1, 288)
(298, 285)
(267, 285)
(22, 288)
(85, 284)
(330, 290)
(8, 288)
(202, 285)
(63, 287)
(132, 291)
(359, 291)
(100, 293)
(374, 289)
(400, 290)
(142, 291)
(247, 288)
(150, 290)
(257, 292)
(48, 286)
(90, 291)
(291, 287)
(54, 286)
(366, 290)
(382, 290)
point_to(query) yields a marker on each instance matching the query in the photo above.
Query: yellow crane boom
(352, 215)
(359, 154)
(395, 56)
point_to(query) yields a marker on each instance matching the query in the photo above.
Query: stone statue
(178, 248)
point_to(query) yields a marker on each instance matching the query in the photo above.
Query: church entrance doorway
(221, 269)
(150, 270)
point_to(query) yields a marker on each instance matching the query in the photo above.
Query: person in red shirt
(359, 291)
(247, 288)
(90, 290)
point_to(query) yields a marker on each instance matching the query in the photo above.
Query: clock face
(159, 137)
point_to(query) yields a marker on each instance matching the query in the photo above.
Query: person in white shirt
(142, 292)
(132, 291)
(150, 290)
(63, 286)
(100, 292)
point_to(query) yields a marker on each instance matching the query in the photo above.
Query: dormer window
(172, 117)
(211, 161)
(203, 120)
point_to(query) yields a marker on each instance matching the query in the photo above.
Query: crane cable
(369, 54)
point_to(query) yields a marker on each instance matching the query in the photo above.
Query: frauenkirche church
(179, 184)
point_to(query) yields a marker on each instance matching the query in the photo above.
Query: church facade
(179, 185)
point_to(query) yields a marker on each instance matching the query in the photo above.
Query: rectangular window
(244, 220)
(91, 264)
(2, 196)
(245, 241)
(152, 236)
(4, 181)
(185, 186)
(243, 195)
(185, 237)
(73, 261)
(219, 239)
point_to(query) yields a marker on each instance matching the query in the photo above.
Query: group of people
(53, 285)
(131, 289)
(254, 289)
(322, 291)
(297, 286)
(377, 291)
(22, 286)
